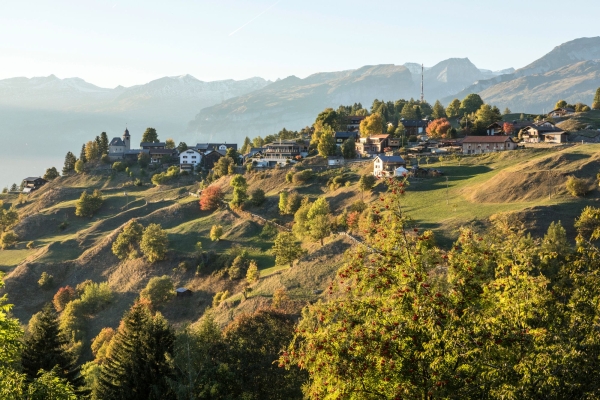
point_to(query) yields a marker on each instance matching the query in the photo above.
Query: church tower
(127, 140)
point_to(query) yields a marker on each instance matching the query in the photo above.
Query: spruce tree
(438, 110)
(138, 367)
(70, 161)
(596, 103)
(103, 144)
(82, 155)
(44, 348)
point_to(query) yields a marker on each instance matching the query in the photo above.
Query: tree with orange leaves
(439, 128)
(211, 198)
(508, 128)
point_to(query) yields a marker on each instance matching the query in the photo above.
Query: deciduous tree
(216, 231)
(453, 109)
(286, 249)
(240, 188)
(51, 174)
(154, 243)
(169, 144)
(439, 128)
(471, 103)
(150, 136)
(596, 102)
(125, 245)
(211, 198)
(438, 110)
(327, 146)
(159, 290)
(372, 125)
(366, 183)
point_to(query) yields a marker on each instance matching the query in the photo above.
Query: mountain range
(46, 116)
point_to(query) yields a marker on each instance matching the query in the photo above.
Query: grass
(12, 257)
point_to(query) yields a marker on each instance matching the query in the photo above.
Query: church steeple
(127, 139)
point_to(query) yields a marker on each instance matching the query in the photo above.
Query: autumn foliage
(211, 198)
(508, 128)
(62, 297)
(439, 128)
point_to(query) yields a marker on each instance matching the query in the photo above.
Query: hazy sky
(117, 42)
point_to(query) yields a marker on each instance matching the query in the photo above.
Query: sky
(115, 42)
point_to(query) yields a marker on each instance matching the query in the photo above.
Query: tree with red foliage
(63, 297)
(439, 128)
(508, 128)
(211, 198)
(352, 220)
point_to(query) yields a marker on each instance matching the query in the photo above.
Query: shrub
(30, 245)
(269, 231)
(95, 296)
(63, 225)
(257, 197)
(159, 290)
(238, 268)
(154, 243)
(8, 240)
(220, 297)
(105, 159)
(63, 297)
(119, 166)
(165, 177)
(293, 203)
(216, 232)
(336, 182)
(577, 186)
(211, 198)
(289, 176)
(46, 280)
(87, 204)
(302, 176)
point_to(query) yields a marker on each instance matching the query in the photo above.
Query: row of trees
(151, 241)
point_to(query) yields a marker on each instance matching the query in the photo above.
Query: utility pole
(422, 83)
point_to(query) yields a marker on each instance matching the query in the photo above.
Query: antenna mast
(422, 79)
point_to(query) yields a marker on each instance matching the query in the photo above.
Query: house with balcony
(372, 145)
(387, 165)
(188, 160)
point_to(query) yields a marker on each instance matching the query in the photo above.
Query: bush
(253, 274)
(8, 240)
(216, 231)
(105, 159)
(238, 268)
(87, 204)
(63, 225)
(302, 176)
(577, 186)
(220, 297)
(95, 296)
(154, 243)
(269, 231)
(293, 203)
(119, 166)
(159, 290)
(46, 280)
(257, 197)
(30, 245)
(165, 177)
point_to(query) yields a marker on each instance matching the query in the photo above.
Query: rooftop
(391, 159)
(487, 139)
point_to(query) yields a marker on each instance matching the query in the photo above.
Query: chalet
(183, 292)
(220, 147)
(210, 158)
(487, 144)
(353, 123)
(497, 128)
(33, 183)
(157, 155)
(561, 112)
(119, 146)
(387, 165)
(372, 145)
(189, 159)
(152, 145)
(414, 126)
(341, 137)
(537, 133)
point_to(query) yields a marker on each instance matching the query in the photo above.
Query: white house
(119, 146)
(189, 159)
(387, 165)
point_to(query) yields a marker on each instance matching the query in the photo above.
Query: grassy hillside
(530, 183)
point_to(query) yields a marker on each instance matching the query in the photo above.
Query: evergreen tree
(408, 112)
(438, 110)
(103, 143)
(82, 155)
(150, 136)
(246, 146)
(44, 348)
(596, 102)
(453, 109)
(349, 148)
(138, 366)
(69, 165)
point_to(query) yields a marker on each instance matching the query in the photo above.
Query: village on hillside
(394, 136)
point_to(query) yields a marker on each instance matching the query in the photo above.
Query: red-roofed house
(487, 144)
